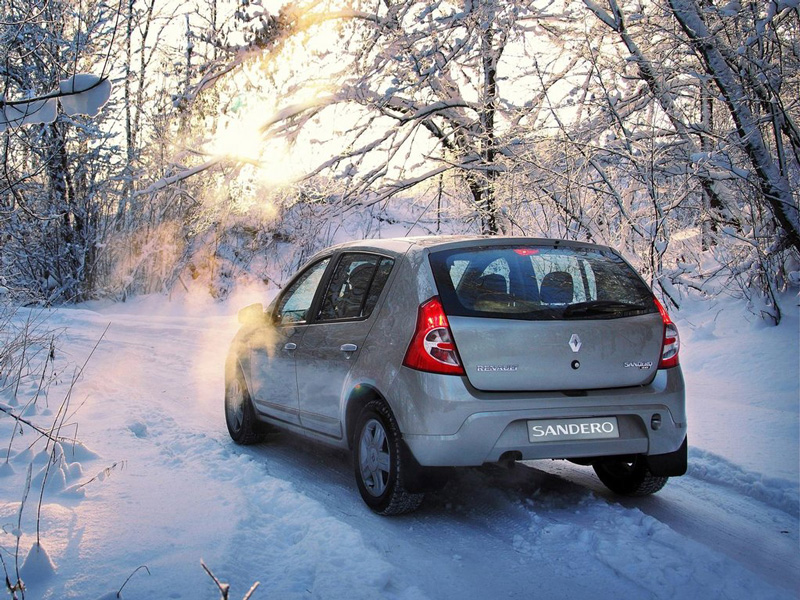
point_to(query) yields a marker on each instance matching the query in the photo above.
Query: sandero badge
(575, 429)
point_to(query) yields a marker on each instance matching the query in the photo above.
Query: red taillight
(432, 348)
(672, 343)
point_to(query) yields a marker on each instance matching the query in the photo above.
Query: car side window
(378, 283)
(355, 286)
(296, 300)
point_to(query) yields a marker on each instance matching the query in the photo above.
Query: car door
(272, 354)
(331, 345)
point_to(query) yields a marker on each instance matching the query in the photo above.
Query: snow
(26, 113)
(81, 94)
(84, 94)
(157, 482)
(37, 565)
(751, 386)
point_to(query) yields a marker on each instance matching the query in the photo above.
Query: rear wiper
(602, 307)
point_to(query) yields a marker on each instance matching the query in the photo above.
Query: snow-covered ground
(157, 482)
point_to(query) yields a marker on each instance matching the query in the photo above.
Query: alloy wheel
(374, 457)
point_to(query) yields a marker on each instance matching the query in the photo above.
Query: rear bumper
(469, 428)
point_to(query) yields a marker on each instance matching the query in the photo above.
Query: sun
(272, 160)
(239, 138)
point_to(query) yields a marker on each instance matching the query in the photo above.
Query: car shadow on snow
(326, 474)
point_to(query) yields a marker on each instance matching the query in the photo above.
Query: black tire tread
(649, 485)
(638, 482)
(400, 500)
(251, 432)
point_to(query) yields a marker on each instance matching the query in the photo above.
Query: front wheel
(240, 417)
(629, 477)
(380, 467)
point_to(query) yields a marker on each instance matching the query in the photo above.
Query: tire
(629, 478)
(240, 417)
(380, 463)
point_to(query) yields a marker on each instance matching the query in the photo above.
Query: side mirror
(252, 315)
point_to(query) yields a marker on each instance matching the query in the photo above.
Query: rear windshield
(539, 283)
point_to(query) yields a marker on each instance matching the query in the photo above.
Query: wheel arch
(359, 397)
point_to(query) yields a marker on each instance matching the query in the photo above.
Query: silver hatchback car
(420, 354)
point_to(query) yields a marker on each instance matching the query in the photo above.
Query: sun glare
(272, 160)
(240, 139)
(258, 127)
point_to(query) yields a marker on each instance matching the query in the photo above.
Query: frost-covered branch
(178, 177)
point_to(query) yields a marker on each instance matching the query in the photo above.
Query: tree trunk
(487, 203)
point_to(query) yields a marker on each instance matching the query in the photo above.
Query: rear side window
(355, 286)
(538, 283)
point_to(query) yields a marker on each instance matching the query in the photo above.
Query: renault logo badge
(575, 342)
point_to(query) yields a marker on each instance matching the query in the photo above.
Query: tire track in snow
(459, 545)
(761, 538)
(528, 525)
(283, 538)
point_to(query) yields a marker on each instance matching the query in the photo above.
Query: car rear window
(539, 283)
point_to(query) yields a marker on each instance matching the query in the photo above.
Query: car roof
(398, 247)
(402, 245)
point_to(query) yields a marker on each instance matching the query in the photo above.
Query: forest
(235, 140)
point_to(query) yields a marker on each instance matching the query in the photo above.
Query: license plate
(557, 430)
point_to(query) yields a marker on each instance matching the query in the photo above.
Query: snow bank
(778, 493)
(743, 382)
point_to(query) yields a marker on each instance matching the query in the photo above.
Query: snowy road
(286, 513)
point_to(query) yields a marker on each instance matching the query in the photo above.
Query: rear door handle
(348, 348)
(290, 347)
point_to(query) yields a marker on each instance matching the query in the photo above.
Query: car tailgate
(522, 355)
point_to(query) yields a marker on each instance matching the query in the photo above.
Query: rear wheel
(629, 477)
(240, 416)
(380, 466)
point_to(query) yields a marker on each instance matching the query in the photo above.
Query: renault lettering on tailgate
(556, 430)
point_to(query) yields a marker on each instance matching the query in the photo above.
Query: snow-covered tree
(749, 51)
(719, 86)
(55, 167)
(668, 130)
